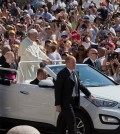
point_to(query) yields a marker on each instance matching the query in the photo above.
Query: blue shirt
(47, 16)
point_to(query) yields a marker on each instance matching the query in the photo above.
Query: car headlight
(100, 102)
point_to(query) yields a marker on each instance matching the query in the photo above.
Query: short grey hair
(9, 53)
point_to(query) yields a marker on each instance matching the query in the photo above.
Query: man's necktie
(94, 63)
(74, 77)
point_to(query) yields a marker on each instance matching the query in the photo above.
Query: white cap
(75, 3)
(25, 11)
(64, 33)
(117, 50)
(31, 31)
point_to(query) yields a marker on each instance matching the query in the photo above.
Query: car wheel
(82, 123)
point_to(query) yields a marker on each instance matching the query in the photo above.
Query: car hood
(107, 92)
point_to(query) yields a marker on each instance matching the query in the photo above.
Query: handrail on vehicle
(52, 73)
(9, 69)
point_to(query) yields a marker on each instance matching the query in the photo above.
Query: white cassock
(30, 51)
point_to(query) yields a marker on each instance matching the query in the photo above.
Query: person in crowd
(8, 77)
(49, 33)
(86, 4)
(14, 10)
(12, 38)
(116, 23)
(5, 49)
(41, 75)
(23, 129)
(54, 55)
(81, 54)
(30, 10)
(101, 56)
(108, 63)
(103, 12)
(67, 95)
(86, 42)
(109, 6)
(5, 12)
(93, 59)
(116, 69)
(63, 39)
(46, 15)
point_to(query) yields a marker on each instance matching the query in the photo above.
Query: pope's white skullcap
(32, 31)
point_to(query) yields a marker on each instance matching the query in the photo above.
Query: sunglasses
(47, 29)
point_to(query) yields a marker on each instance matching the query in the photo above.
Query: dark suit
(35, 82)
(97, 64)
(2, 60)
(63, 96)
(4, 74)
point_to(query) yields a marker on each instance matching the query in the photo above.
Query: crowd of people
(61, 28)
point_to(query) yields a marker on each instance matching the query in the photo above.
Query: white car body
(23, 101)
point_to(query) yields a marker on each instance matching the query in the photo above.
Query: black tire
(82, 123)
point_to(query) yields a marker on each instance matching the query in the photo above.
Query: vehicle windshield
(88, 76)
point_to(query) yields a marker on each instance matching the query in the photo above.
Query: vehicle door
(9, 100)
(36, 103)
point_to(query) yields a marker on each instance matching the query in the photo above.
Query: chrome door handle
(24, 92)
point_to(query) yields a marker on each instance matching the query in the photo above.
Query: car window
(88, 76)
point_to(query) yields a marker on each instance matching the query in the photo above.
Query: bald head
(93, 54)
(70, 62)
(23, 129)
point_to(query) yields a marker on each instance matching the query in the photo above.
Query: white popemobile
(26, 104)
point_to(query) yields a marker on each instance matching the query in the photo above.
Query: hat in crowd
(117, 50)
(22, 18)
(86, 17)
(11, 32)
(64, 33)
(112, 31)
(48, 27)
(75, 35)
(25, 11)
(111, 44)
(75, 3)
(103, 3)
(31, 31)
(48, 41)
(98, 17)
(27, 16)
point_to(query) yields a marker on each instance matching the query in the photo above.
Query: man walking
(67, 95)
